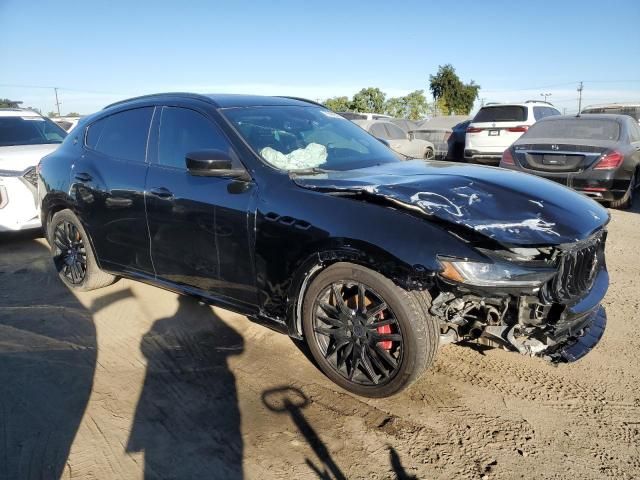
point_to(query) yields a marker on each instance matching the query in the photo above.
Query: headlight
(498, 273)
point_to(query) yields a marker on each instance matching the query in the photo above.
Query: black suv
(284, 211)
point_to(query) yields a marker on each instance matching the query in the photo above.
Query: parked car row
(598, 155)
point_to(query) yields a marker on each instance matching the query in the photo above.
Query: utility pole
(545, 95)
(57, 102)
(482, 102)
(580, 98)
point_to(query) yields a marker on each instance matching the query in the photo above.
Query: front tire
(72, 254)
(367, 334)
(429, 155)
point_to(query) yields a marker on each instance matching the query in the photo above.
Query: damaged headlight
(497, 273)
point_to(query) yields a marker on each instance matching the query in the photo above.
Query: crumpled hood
(20, 157)
(511, 207)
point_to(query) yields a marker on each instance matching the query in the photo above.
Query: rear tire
(73, 255)
(351, 347)
(627, 200)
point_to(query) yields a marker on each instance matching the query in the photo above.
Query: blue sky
(101, 51)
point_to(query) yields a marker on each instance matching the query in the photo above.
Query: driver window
(395, 132)
(183, 131)
(377, 130)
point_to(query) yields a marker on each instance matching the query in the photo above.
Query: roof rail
(168, 94)
(539, 101)
(300, 99)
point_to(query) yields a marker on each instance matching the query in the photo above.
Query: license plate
(554, 160)
(493, 133)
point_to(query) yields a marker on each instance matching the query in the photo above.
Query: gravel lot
(132, 381)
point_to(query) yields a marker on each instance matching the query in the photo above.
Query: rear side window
(541, 112)
(575, 129)
(122, 135)
(183, 131)
(502, 113)
(395, 133)
(378, 130)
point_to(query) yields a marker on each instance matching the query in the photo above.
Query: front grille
(577, 270)
(31, 176)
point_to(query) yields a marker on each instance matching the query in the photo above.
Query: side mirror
(213, 163)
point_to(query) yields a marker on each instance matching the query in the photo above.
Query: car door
(200, 226)
(108, 182)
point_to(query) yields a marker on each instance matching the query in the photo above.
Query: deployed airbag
(311, 156)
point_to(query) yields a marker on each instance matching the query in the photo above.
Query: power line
(7, 85)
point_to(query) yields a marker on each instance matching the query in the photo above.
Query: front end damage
(560, 319)
(543, 276)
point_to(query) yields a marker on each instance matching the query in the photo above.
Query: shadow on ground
(292, 401)
(47, 362)
(187, 420)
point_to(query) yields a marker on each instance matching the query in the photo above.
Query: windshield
(297, 137)
(575, 129)
(503, 113)
(29, 131)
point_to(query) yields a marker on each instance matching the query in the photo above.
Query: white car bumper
(18, 208)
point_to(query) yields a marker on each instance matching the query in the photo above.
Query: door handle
(83, 177)
(161, 192)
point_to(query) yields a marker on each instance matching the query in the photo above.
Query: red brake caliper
(385, 344)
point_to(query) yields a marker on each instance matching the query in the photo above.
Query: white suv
(496, 126)
(25, 137)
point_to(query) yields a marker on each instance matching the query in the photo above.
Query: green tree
(369, 100)
(396, 107)
(415, 105)
(338, 104)
(450, 92)
(73, 114)
(52, 114)
(6, 103)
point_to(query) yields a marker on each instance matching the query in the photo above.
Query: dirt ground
(135, 382)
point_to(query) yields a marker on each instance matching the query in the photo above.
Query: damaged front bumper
(522, 323)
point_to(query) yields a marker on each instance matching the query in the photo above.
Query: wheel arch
(409, 277)
(54, 204)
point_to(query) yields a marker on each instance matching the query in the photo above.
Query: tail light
(507, 158)
(474, 130)
(518, 129)
(609, 161)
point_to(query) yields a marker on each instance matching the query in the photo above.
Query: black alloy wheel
(70, 253)
(358, 333)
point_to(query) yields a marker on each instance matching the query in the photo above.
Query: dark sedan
(286, 212)
(597, 155)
